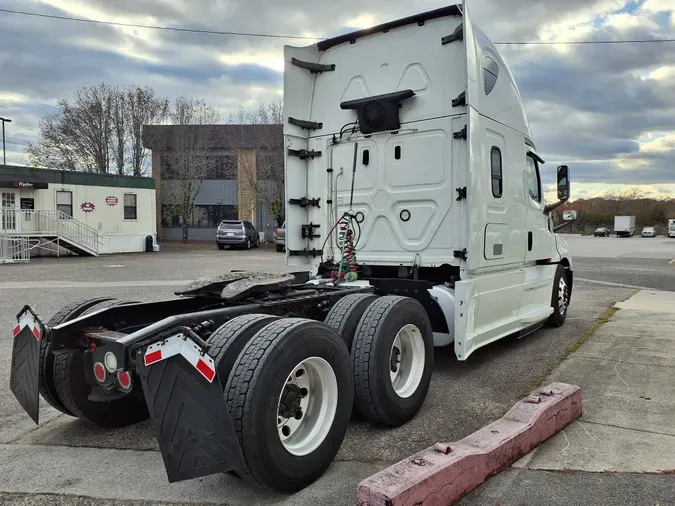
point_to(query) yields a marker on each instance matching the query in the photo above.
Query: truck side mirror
(564, 190)
(563, 183)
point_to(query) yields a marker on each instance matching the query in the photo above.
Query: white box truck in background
(671, 228)
(624, 226)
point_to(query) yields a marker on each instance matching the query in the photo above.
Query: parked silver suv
(237, 234)
(280, 238)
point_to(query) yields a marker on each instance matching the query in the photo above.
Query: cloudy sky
(607, 110)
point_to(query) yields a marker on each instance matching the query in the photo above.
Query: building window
(270, 167)
(200, 216)
(64, 202)
(496, 163)
(7, 207)
(130, 206)
(221, 167)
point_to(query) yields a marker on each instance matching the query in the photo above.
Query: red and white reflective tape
(178, 345)
(27, 320)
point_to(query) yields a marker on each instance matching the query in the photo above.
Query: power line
(155, 27)
(277, 36)
(572, 42)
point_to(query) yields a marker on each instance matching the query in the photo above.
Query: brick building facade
(238, 156)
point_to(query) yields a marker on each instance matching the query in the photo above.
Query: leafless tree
(143, 107)
(99, 126)
(54, 149)
(79, 135)
(186, 156)
(620, 199)
(264, 172)
(90, 120)
(119, 124)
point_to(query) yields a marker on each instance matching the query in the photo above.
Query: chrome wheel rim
(406, 361)
(307, 406)
(563, 296)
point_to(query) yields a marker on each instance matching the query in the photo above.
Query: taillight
(124, 380)
(99, 372)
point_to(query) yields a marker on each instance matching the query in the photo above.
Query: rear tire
(280, 248)
(391, 387)
(229, 340)
(46, 384)
(346, 314)
(73, 390)
(221, 246)
(560, 298)
(269, 367)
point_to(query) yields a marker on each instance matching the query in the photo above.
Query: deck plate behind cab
(238, 285)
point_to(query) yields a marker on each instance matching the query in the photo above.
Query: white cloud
(666, 72)
(10, 98)
(656, 6)
(270, 60)
(662, 144)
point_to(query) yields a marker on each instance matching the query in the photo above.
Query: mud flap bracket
(194, 429)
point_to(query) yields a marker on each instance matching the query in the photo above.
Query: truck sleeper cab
(420, 144)
(415, 219)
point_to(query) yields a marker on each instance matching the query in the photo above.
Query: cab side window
(533, 180)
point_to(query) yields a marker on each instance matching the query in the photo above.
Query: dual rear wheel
(63, 385)
(391, 354)
(289, 392)
(291, 384)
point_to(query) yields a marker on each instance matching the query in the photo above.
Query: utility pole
(4, 152)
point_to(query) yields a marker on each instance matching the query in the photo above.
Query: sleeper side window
(533, 180)
(490, 74)
(496, 170)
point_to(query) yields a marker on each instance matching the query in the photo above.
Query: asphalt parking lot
(76, 460)
(635, 262)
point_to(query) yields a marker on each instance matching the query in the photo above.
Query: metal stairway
(52, 229)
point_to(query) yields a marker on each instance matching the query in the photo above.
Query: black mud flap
(196, 435)
(25, 371)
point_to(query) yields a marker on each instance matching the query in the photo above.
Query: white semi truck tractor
(416, 219)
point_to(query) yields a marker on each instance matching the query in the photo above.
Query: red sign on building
(88, 207)
(112, 201)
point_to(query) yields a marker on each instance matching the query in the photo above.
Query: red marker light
(99, 372)
(124, 379)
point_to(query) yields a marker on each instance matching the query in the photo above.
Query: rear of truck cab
(417, 131)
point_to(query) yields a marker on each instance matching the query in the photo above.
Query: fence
(195, 234)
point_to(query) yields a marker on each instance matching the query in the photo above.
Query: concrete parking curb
(444, 473)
